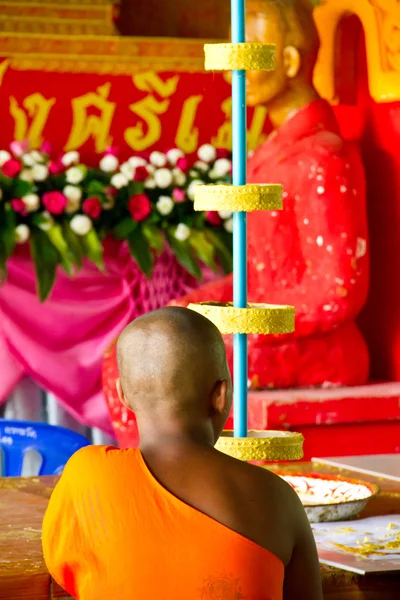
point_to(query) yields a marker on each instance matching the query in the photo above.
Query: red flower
(179, 195)
(92, 207)
(55, 202)
(11, 168)
(139, 206)
(141, 173)
(213, 217)
(223, 153)
(18, 205)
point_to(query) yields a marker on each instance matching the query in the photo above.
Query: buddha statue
(314, 253)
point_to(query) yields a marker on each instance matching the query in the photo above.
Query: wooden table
(23, 575)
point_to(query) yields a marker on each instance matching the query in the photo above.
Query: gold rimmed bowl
(328, 498)
(262, 446)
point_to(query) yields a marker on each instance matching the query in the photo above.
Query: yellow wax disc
(262, 445)
(245, 198)
(249, 56)
(256, 318)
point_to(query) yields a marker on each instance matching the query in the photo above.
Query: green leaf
(95, 188)
(93, 248)
(74, 245)
(223, 248)
(154, 236)
(46, 258)
(125, 228)
(21, 188)
(56, 237)
(183, 255)
(140, 251)
(7, 238)
(204, 249)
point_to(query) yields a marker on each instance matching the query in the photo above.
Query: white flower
(81, 224)
(212, 174)
(158, 159)
(222, 167)
(28, 160)
(40, 172)
(74, 175)
(192, 187)
(31, 201)
(165, 205)
(207, 153)
(179, 177)
(36, 156)
(150, 184)
(151, 169)
(22, 233)
(163, 178)
(72, 192)
(182, 232)
(70, 158)
(48, 222)
(194, 173)
(109, 163)
(119, 181)
(201, 166)
(228, 225)
(174, 155)
(127, 169)
(26, 175)
(4, 157)
(225, 214)
(137, 161)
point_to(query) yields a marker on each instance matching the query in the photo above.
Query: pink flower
(139, 206)
(213, 217)
(19, 148)
(141, 173)
(18, 205)
(46, 148)
(55, 167)
(11, 168)
(223, 153)
(92, 207)
(55, 202)
(183, 164)
(113, 150)
(179, 195)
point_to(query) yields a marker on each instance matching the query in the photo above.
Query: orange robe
(112, 532)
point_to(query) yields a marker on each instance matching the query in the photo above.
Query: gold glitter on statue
(246, 198)
(256, 318)
(242, 57)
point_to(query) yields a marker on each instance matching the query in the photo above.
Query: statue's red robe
(313, 255)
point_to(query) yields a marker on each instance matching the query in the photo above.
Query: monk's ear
(220, 400)
(291, 61)
(120, 393)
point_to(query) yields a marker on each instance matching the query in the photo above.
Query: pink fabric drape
(60, 344)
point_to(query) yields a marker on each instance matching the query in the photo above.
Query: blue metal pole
(239, 131)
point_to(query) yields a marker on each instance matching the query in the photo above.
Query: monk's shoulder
(91, 462)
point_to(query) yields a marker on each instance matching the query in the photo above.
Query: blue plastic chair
(55, 445)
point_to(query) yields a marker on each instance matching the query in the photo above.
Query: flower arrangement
(65, 209)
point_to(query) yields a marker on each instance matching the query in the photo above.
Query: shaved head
(172, 363)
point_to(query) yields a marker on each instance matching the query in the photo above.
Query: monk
(176, 519)
(314, 253)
